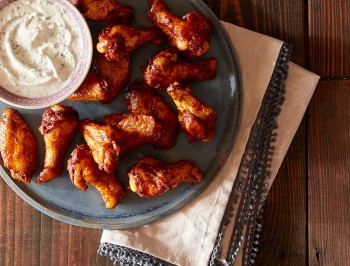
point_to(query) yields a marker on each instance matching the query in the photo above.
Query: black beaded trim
(127, 256)
(249, 190)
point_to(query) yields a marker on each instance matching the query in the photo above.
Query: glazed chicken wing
(104, 82)
(190, 34)
(138, 129)
(105, 10)
(58, 126)
(151, 177)
(105, 142)
(119, 41)
(93, 88)
(141, 99)
(18, 146)
(82, 168)
(196, 119)
(164, 69)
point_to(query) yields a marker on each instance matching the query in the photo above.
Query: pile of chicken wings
(149, 119)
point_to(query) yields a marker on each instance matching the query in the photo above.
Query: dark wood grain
(329, 174)
(282, 19)
(329, 24)
(28, 237)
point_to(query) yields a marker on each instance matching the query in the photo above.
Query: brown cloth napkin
(217, 226)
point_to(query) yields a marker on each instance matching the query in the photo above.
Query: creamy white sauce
(39, 47)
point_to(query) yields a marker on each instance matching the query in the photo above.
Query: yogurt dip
(39, 47)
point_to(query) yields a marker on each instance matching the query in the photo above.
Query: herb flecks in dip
(39, 47)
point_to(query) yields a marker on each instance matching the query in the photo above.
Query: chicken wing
(104, 82)
(164, 69)
(151, 177)
(105, 10)
(58, 126)
(141, 99)
(138, 129)
(82, 168)
(196, 119)
(105, 142)
(18, 146)
(119, 41)
(190, 34)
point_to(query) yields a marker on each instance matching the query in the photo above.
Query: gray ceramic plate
(61, 200)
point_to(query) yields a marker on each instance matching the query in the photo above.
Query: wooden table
(307, 216)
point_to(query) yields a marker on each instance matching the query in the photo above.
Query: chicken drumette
(151, 177)
(105, 10)
(18, 146)
(190, 34)
(82, 168)
(196, 119)
(104, 82)
(165, 68)
(119, 41)
(142, 100)
(105, 142)
(58, 126)
(138, 129)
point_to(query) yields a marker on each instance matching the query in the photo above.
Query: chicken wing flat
(18, 146)
(58, 126)
(93, 88)
(119, 41)
(190, 34)
(82, 168)
(104, 82)
(151, 177)
(164, 69)
(105, 142)
(138, 129)
(105, 10)
(196, 119)
(141, 99)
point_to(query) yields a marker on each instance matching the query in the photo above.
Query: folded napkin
(220, 226)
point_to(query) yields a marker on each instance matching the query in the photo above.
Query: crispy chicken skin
(138, 129)
(58, 126)
(93, 88)
(151, 177)
(105, 142)
(82, 168)
(105, 10)
(196, 119)
(165, 68)
(119, 41)
(190, 34)
(18, 146)
(104, 82)
(141, 99)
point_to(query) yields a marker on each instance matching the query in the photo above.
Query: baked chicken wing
(165, 68)
(196, 119)
(151, 177)
(104, 82)
(141, 99)
(119, 41)
(105, 142)
(190, 34)
(105, 10)
(82, 168)
(58, 126)
(138, 129)
(18, 146)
